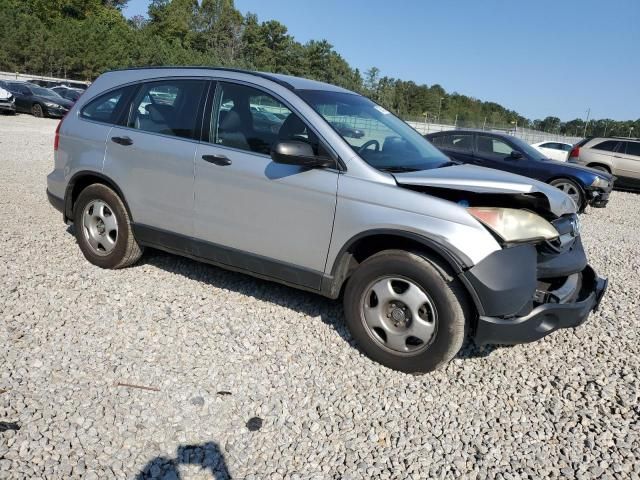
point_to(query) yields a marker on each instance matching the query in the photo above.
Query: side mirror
(298, 153)
(515, 154)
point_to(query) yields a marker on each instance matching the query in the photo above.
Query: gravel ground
(221, 350)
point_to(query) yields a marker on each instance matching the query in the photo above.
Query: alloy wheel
(570, 189)
(100, 227)
(399, 315)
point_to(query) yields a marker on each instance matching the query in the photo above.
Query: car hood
(570, 168)
(472, 178)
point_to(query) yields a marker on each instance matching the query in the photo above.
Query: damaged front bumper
(568, 306)
(525, 292)
(598, 198)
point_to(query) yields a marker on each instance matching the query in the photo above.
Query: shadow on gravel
(330, 311)
(207, 456)
(309, 304)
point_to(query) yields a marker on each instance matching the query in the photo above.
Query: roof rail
(224, 69)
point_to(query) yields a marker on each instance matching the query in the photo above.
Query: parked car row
(38, 101)
(423, 250)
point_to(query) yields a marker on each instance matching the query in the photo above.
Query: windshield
(380, 138)
(527, 149)
(44, 92)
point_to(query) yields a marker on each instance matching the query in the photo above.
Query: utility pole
(455, 123)
(484, 123)
(440, 108)
(606, 124)
(426, 127)
(587, 123)
(630, 130)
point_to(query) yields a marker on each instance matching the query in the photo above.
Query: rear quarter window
(106, 107)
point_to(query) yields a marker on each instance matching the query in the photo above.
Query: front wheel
(103, 229)
(572, 189)
(405, 312)
(37, 110)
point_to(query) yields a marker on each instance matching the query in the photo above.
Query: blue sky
(539, 57)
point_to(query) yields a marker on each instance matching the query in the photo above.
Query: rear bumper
(56, 202)
(546, 317)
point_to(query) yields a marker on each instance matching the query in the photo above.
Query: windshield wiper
(398, 169)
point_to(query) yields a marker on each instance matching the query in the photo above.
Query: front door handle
(122, 140)
(220, 160)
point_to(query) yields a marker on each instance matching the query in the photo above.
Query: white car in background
(554, 150)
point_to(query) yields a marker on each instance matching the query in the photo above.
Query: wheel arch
(368, 243)
(81, 180)
(600, 164)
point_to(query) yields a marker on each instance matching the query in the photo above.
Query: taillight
(56, 139)
(575, 152)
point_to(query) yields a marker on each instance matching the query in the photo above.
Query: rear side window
(633, 148)
(461, 142)
(105, 108)
(607, 146)
(169, 107)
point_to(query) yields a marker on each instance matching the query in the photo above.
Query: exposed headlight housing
(600, 182)
(514, 225)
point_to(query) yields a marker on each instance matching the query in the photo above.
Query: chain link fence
(527, 134)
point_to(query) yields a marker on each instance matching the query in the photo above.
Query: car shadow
(310, 304)
(307, 303)
(206, 455)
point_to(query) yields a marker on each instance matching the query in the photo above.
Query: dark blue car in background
(505, 152)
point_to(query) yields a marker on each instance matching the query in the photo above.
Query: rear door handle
(220, 160)
(122, 140)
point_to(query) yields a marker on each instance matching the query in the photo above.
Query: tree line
(80, 39)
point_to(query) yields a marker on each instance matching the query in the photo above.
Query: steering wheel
(366, 145)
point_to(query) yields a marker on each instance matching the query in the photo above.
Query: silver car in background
(327, 192)
(619, 156)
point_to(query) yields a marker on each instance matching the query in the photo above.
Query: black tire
(445, 292)
(37, 110)
(126, 250)
(579, 198)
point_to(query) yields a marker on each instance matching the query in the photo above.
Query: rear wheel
(103, 229)
(37, 110)
(405, 312)
(572, 189)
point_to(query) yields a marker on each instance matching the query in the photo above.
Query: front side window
(168, 107)
(380, 138)
(493, 146)
(607, 146)
(105, 107)
(249, 119)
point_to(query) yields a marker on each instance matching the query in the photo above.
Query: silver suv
(319, 188)
(620, 156)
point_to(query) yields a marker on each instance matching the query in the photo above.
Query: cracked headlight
(600, 182)
(513, 225)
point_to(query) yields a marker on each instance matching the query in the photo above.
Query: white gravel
(221, 348)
